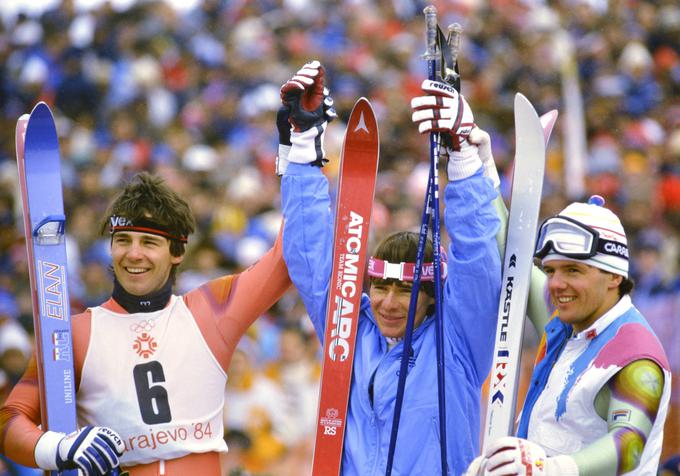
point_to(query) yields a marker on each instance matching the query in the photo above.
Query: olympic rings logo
(144, 325)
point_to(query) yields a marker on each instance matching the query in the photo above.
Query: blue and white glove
(93, 450)
(510, 456)
(307, 109)
(446, 111)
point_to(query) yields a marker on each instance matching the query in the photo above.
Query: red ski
(356, 187)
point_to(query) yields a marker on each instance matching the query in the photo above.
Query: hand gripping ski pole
(441, 55)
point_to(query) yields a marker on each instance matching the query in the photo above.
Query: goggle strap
(612, 248)
(378, 268)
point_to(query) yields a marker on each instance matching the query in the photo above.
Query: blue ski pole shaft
(408, 333)
(430, 211)
(431, 57)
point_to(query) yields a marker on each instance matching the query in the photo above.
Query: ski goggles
(565, 236)
(382, 269)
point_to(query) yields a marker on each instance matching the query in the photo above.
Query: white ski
(531, 134)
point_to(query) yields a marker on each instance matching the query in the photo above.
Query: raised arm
(225, 307)
(472, 286)
(308, 228)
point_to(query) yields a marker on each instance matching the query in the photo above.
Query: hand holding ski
(93, 450)
(306, 110)
(44, 226)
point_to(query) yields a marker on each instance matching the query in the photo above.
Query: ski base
(356, 187)
(527, 186)
(44, 222)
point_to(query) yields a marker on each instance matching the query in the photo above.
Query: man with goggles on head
(599, 392)
(470, 294)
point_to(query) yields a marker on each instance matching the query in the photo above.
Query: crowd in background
(192, 95)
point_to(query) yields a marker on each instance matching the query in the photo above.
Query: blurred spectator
(254, 407)
(670, 467)
(297, 372)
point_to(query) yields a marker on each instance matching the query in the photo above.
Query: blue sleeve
(308, 237)
(472, 287)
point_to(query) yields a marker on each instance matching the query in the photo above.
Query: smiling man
(600, 389)
(470, 293)
(151, 366)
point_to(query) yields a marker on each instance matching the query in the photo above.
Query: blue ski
(38, 160)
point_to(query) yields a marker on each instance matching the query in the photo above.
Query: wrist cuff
(282, 159)
(562, 465)
(307, 146)
(463, 163)
(45, 452)
(491, 172)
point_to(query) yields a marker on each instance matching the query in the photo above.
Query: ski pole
(432, 55)
(408, 333)
(430, 211)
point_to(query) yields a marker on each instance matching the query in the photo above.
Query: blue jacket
(470, 302)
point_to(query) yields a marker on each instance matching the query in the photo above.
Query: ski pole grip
(430, 33)
(455, 31)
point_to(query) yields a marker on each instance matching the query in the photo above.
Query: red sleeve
(225, 307)
(20, 417)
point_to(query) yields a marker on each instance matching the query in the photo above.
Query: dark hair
(148, 196)
(626, 287)
(403, 246)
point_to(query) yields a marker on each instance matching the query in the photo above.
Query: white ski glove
(93, 450)
(510, 456)
(307, 109)
(446, 111)
(476, 468)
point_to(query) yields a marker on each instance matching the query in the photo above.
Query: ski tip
(522, 103)
(364, 114)
(41, 124)
(548, 122)
(41, 109)
(362, 103)
(525, 111)
(549, 118)
(22, 122)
